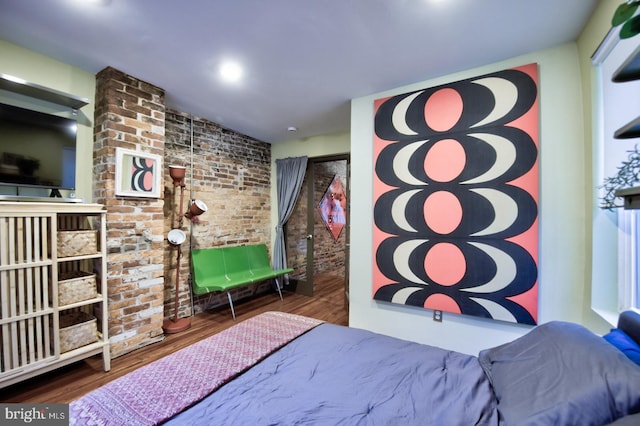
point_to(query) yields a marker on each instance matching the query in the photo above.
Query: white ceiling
(304, 59)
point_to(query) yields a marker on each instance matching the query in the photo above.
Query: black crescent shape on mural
(384, 165)
(388, 291)
(383, 120)
(526, 215)
(382, 214)
(419, 297)
(480, 267)
(478, 102)
(384, 252)
(521, 315)
(524, 279)
(527, 94)
(484, 156)
(526, 154)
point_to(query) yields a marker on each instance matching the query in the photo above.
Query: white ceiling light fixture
(95, 2)
(231, 72)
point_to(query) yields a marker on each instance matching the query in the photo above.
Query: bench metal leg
(233, 312)
(279, 292)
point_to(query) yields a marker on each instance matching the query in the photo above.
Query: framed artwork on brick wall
(138, 174)
(456, 197)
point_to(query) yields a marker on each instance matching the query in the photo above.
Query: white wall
(562, 216)
(47, 72)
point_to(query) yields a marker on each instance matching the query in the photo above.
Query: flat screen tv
(37, 149)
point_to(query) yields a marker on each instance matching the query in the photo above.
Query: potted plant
(628, 175)
(624, 16)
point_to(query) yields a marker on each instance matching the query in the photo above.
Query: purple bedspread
(157, 391)
(336, 375)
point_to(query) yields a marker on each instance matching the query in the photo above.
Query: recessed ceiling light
(231, 72)
(98, 2)
(292, 129)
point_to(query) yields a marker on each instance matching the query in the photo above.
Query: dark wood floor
(68, 383)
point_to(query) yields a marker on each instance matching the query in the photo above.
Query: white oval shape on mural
(401, 260)
(497, 311)
(506, 270)
(399, 210)
(401, 164)
(399, 116)
(401, 296)
(504, 207)
(502, 89)
(505, 157)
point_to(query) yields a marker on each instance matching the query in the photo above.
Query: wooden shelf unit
(30, 264)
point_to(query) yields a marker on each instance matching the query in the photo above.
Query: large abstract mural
(456, 197)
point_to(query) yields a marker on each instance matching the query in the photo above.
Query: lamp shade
(196, 208)
(176, 237)
(177, 174)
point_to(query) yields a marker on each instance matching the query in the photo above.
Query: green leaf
(630, 28)
(624, 12)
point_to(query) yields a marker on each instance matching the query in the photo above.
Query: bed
(284, 369)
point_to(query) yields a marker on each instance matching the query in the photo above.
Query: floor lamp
(176, 237)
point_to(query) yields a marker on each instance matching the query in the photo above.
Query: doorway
(314, 247)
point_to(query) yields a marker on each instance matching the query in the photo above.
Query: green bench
(227, 267)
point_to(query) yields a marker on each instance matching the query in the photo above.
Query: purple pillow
(561, 374)
(622, 341)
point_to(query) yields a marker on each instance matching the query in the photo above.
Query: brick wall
(231, 174)
(130, 113)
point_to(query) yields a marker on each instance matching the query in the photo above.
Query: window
(616, 239)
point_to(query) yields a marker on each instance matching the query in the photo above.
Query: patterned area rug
(158, 391)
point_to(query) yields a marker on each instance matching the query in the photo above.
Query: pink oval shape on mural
(442, 212)
(442, 302)
(443, 109)
(445, 264)
(148, 175)
(445, 160)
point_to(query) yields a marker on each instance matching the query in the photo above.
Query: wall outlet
(437, 316)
